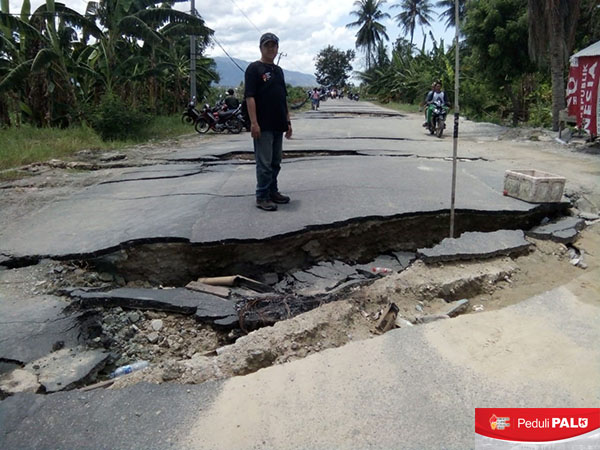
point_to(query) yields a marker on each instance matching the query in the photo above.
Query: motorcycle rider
(423, 104)
(432, 97)
(231, 101)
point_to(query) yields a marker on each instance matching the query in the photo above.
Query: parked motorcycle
(244, 116)
(218, 120)
(437, 122)
(191, 114)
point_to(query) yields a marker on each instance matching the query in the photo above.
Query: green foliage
(407, 78)
(140, 52)
(539, 101)
(29, 144)
(115, 120)
(588, 25)
(296, 94)
(496, 32)
(333, 66)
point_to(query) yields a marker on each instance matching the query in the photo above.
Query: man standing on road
(266, 97)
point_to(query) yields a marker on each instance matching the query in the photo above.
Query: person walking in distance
(266, 98)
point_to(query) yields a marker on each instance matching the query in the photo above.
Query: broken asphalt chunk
(178, 300)
(476, 245)
(206, 307)
(31, 326)
(457, 307)
(67, 368)
(19, 380)
(564, 230)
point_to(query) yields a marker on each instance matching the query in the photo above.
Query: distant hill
(232, 76)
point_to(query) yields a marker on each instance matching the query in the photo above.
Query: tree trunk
(515, 104)
(558, 79)
(4, 111)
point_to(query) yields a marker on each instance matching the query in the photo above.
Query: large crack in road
(333, 261)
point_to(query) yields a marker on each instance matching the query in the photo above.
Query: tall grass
(27, 144)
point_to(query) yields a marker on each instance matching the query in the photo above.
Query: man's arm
(254, 127)
(446, 100)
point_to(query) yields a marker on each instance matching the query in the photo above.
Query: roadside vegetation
(119, 73)
(29, 144)
(514, 58)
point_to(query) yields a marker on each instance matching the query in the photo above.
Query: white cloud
(304, 27)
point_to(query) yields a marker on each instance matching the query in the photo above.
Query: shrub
(115, 120)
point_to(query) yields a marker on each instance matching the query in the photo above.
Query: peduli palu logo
(570, 427)
(499, 423)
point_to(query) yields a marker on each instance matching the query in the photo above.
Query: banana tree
(135, 27)
(40, 67)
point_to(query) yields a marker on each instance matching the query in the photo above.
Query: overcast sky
(304, 27)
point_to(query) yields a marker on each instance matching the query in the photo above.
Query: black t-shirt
(265, 82)
(232, 102)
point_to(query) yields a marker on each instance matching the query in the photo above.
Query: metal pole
(193, 56)
(456, 116)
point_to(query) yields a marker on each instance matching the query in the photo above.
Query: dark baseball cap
(268, 37)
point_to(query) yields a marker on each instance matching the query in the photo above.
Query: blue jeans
(267, 153)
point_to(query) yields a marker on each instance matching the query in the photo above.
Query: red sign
(582, 93)
(536, 424)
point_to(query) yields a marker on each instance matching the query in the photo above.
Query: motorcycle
(191, 114)
(437, 121)
(243, 116)
(218, 120)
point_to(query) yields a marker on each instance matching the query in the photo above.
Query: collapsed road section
(195, 333)
(123, 271)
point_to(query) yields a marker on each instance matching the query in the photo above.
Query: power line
(247, 18)
(229, 56)
(197, 14)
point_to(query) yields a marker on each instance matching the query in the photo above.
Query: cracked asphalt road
(212, 202)
(411, 388)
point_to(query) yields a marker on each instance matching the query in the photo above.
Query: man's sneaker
(266, 205)
(279, 198)
(424, 124)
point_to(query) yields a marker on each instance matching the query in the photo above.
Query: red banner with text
(536, 424)
(583, 100)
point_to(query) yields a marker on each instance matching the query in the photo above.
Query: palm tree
(552, 26)
(371, 31)
(413, 12)
(449, 11)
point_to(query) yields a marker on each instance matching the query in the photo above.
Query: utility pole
(280, 55)
(193, 56)
(456, 116)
